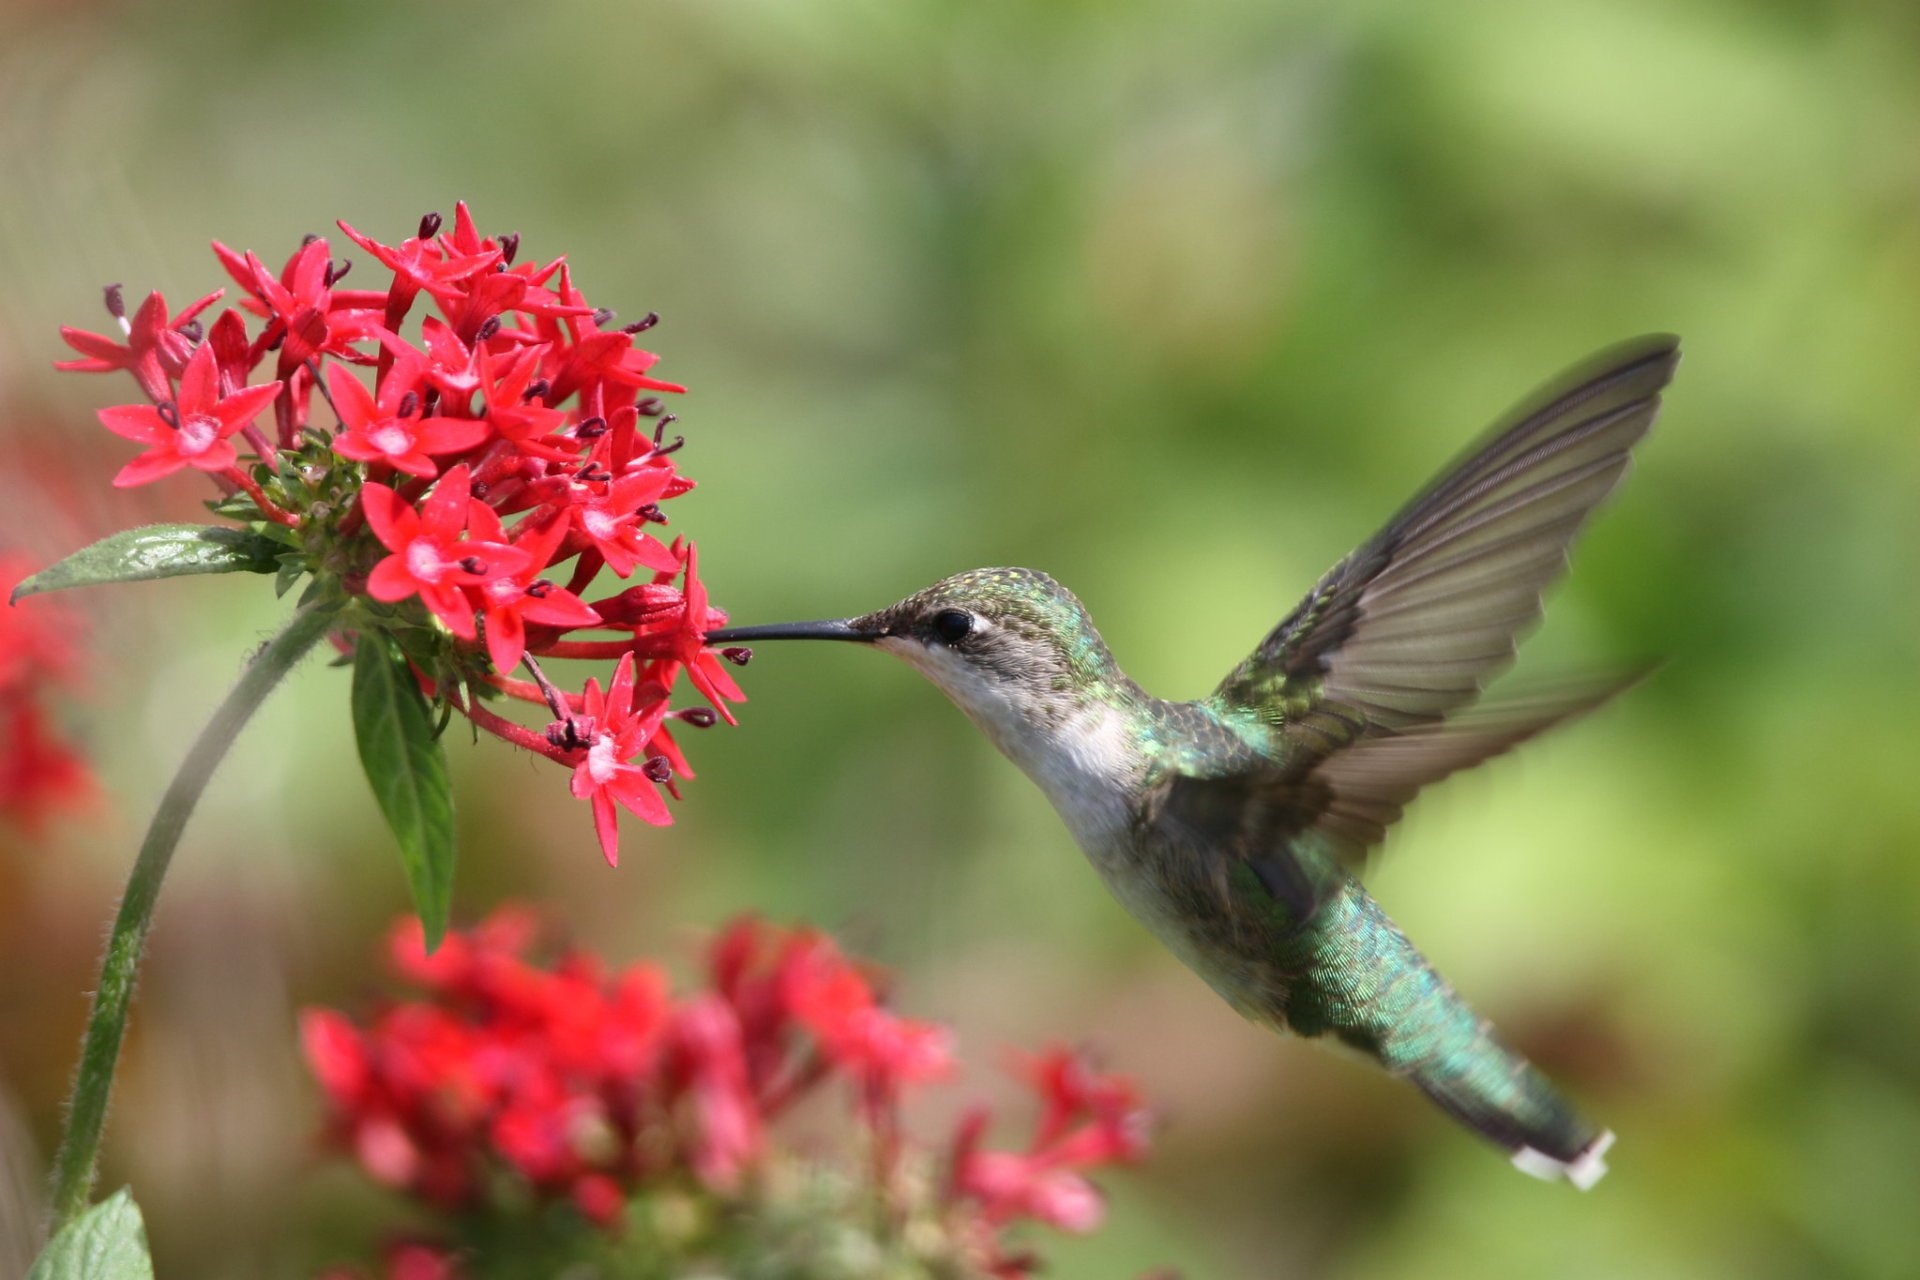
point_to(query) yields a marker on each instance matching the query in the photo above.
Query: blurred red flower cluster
(573, 1082)
(40, 772)
(509, 447)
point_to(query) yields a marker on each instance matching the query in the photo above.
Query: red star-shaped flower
(610, 516)
(431, 558)
(704, 667)
(155, 348)
(512, 601)
(604, 775)
(191, 431)
(304, 308)
(420, 262)
(390, 429)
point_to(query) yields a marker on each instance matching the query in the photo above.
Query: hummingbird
(1234, 827)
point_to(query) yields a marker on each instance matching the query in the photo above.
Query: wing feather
(1413, 623)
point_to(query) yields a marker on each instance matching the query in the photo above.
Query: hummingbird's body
(1232, 826)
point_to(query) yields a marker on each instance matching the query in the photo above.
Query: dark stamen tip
(538, 588)
(193, 331)
(509, 246)
(644, 323)
(592, 429)
(658, 769)
(474, 564)
(116, 302)
(169, 413)
(651, 407)
(337, 269)
(487, 330)
(429, 225)
(536, 389)
(600, 317)
(308, 239)
(698, 717)
(409, 404)
(738, 655)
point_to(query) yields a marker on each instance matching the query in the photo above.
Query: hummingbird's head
(1012, 647)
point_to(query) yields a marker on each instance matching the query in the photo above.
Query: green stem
(73, 1168)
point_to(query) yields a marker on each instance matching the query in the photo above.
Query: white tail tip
(1582, 1171)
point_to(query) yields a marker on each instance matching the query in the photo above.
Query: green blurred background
(1176, 301)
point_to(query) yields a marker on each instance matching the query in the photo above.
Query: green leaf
(407, 766)
(157, 551)
(107, 1242)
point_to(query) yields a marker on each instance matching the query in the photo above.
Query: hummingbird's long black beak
(833, 629)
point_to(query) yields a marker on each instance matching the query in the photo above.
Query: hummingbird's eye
(951, 626)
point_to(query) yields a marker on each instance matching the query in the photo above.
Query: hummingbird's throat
(1081, 753)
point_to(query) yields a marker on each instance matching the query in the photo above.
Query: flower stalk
(107, 1021)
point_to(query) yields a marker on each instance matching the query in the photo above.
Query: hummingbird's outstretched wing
(1365, 680)
(1409, 627)
(1296, 822)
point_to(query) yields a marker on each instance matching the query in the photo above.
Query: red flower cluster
(504, 455)
(596, 1086)
(1089, 1120)
(40, 772)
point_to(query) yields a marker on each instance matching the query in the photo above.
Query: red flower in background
(490, 470)
(598, 1089)
(41, 772)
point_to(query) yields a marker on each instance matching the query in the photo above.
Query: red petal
(113, 353)
(390, 582)
(620, 692)
(710, 678)
(606, 825)
(506, 638)
(452, 435)
(141, 422)
(150, 319)
(559, 608)
(309, 271)
(196, 307)
(638, 793)
(200, 382)
(350, 444)
(350, 397)
(445, 512)
(148, 467)
(333, 1049)
(246, 404)
(450, 605)
(415, 463)
(649, 551)
(392, 519)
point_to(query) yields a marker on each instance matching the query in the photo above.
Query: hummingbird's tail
(1364, 984)
(1505, 1099)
